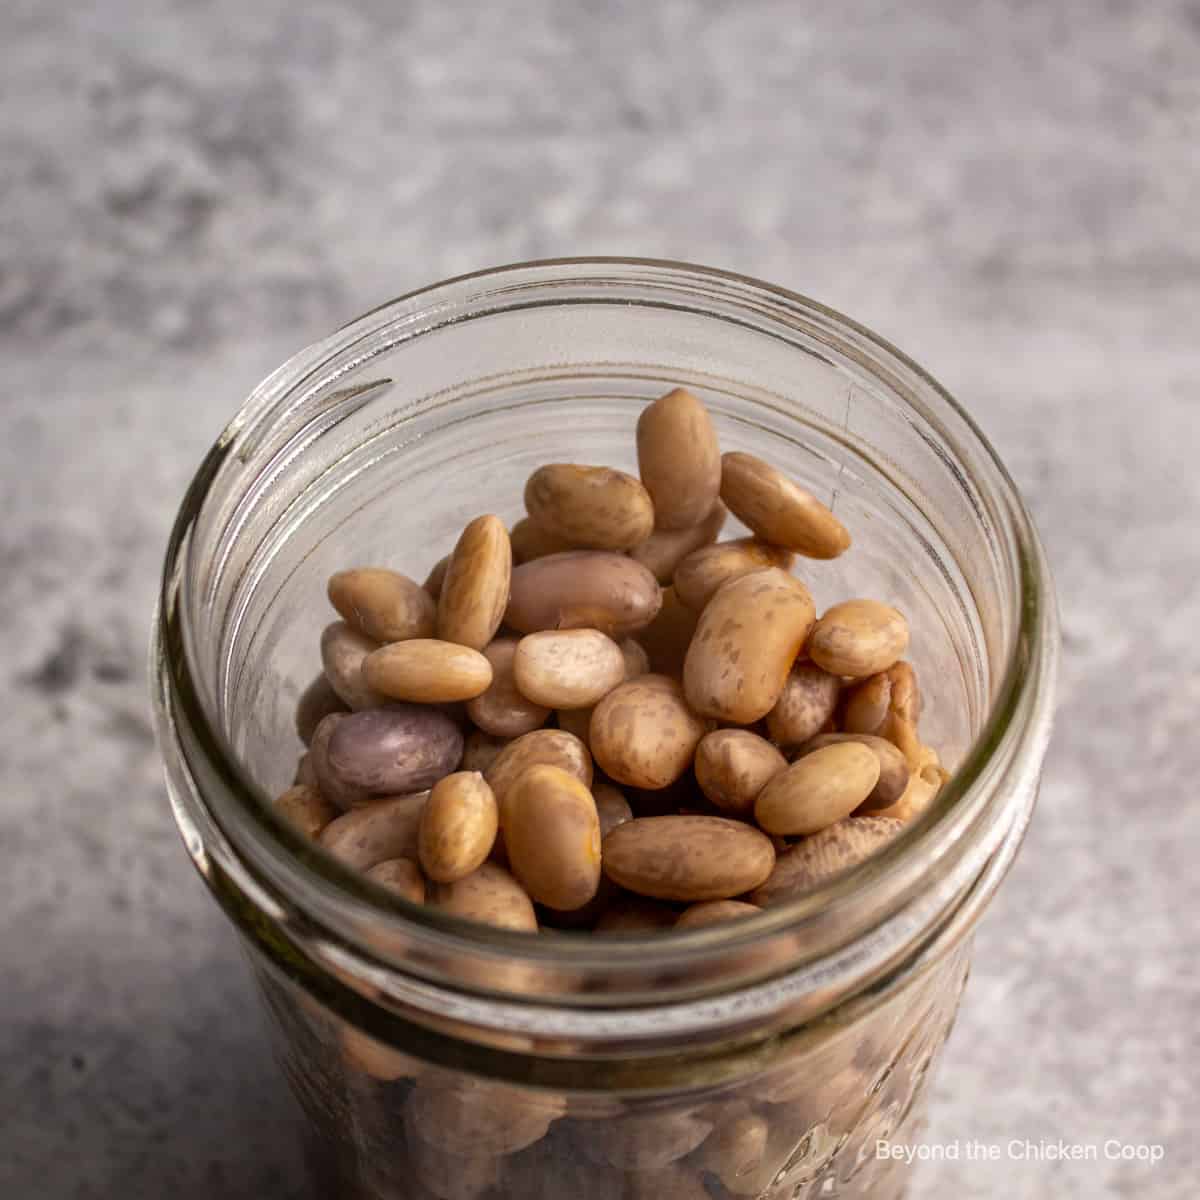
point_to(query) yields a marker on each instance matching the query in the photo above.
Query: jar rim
(1018, 715)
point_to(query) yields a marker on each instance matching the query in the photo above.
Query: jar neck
(447, 983)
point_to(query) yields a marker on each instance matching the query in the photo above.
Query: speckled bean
(594, 507)
(679, 459)
(733, 765)
(386, 829)
(665, 549)
(502, 710)
(568, 668)
(805, 706)
(698, 577)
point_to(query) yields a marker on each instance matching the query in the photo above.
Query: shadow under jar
(438, 1058)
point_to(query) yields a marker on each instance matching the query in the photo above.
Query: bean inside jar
(610, 719)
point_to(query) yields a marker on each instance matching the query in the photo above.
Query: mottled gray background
(189, 191)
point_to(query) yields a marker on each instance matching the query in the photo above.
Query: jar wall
(385, 1125)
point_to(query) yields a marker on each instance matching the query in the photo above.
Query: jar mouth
(260, 859)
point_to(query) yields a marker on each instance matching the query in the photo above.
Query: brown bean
(305, 775)
(397, 749)
(808, 700)
(437, 577)
(858, 638)
(570, 668)
(642, 1140)
(552, 835)
(481, 750)
(748, 637)
(733, 766)
(687, 857)
(502, 710)
(343, 650)
(699, 576)
(778, 510)
(577, 721)
(428, 671)
(735, 1149)
(489, 894)
(458, 827)
(864, 707)
(402, 876)
(477, 1117)
(306, 809)
(643, 734)
(475, 590)
(583, 589)
(715, 912)
(679, 459)
(637, 661)
(530, 541)
(817, 790)
(906, 693)
(825, 854)
(922, 787)
(634, 914)
(612, 808)
(594, 507)
(903, 736)
(894, 771)
(665, 549)
(365, 837)
(552, 747)
(383, 604)
(316, 702)
(667, 637)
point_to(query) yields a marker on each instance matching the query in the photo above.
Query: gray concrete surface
(189, 191)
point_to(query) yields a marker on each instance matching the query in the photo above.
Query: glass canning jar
(439, 1058)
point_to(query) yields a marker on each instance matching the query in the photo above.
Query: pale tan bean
(583, 589)
(903, 736)
(807, 702)
(446, 1176)
(577, 721)
(642, 1140)
(825, 854)
(637, 661)
(715, 912)
(905, 699)
(699, 576)
(667, 637)
(383, 604)
(552, 835)
(665, 549)
(894, 770)
(502, 710)
(428, 671)
(316, 702)
(363, 1053)
(643, 734)
(552, 747)
(922, 787)
(305, 775)
(858, 638)
(437, 577)
(529, 541)
(482, 749)
(306, 809)
(401, 748)
(569, 668)
(611, 807)
(402, 876)
(817, 790)
(365, 837)
(735, 1149)
(594, 507)
(679, 459)
(733, 766)
(489, 894)
(343, 651)
(748, 637)
(330, 784)
(476, 1117)
(635, 914)
(778, 510)
(458, 827)
(687, 858)
(865, 706)
(475, 589)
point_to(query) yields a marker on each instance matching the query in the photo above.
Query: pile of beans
(606, 718)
